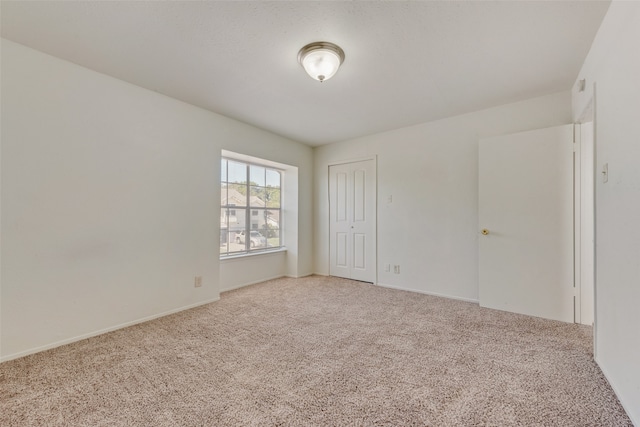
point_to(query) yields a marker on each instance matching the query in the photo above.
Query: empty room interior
(320, 213)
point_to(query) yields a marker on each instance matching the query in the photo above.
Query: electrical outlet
(396, 269)
(387, 267)
(198, 281)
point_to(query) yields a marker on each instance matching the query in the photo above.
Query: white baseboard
(624, 404)
(242, 285)
(299, 276)
(291, 276)
(102, 331)
(435, 294)
(400, 288)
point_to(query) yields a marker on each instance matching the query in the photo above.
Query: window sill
(253, 254)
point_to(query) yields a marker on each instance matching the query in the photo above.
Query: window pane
(223, 219)
(236, 219)
(224, 242)
(270, 226)
(259, 220)
(257, 197)
(237, 244)
(237, 195)
(237, 172)
(272, 197)
(237, 226)
(223, 170)
(257, 175)
(224, 231)
(272, 218)
(273, 178)
(273, 242)
(223, 194)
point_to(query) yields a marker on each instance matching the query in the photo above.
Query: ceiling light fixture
(321, 60)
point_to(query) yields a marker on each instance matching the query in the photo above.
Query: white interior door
(526, 204)
(352, 212)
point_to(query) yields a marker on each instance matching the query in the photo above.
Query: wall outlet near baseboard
(396, 269)
(197, 282)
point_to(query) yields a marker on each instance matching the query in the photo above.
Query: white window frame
(249, 212)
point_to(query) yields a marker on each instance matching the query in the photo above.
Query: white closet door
(352, 209)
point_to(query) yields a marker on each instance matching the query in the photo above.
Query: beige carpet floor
(318, 352)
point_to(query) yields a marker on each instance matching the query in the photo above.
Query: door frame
(584, 232)
(374, 240)
(589, 114)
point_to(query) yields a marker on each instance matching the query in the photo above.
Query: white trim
(254, 253)
(577, 223)
(300, 276)
(356, 160)
(400, 288)
(264, 280)
(588, 111)
(435, 294)
(255, 282)
(103, 331)
(624, 404)
(257, 161)
(595, 220)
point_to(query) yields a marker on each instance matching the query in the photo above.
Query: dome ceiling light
(321, 60)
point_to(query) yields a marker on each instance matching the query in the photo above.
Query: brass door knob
(485, 231)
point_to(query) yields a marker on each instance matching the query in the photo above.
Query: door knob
(484, 231)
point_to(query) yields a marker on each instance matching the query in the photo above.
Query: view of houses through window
(250, 212)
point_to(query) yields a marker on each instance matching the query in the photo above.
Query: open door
(526, 214)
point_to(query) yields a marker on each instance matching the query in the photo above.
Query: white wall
(235, 274)
(613, 65)
(110, 201)
(431, 227)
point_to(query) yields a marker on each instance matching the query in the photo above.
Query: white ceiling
(406, 62)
